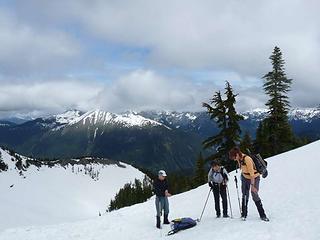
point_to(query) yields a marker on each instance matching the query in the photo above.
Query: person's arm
(166, 192)
(225, 172)
(210, 178)
(210, 175)
(156, 189)
(249, 164)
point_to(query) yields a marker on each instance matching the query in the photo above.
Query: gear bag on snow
(260, 163)
(181, 224)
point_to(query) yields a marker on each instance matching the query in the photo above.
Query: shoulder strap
(225, 176)
(243, 160)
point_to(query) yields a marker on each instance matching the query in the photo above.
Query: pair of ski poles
(236, 182)
(205, 204)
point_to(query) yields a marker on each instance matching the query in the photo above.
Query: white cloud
(233, 37)
(26, 50)
(145, 90)
(138, 90)
(46, 97)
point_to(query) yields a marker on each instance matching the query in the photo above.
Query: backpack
(223, 174)
(260, 163)
(181, 224)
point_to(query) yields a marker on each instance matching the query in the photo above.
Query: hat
(162, 173)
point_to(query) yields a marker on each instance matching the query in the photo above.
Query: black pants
(220, 190)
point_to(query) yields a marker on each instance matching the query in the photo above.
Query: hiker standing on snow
(249, 178)
(160, 188)
(217, 180)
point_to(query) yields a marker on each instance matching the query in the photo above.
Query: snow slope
(291, 196)
(59, 194)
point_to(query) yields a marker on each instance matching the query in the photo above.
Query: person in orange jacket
(250, 178)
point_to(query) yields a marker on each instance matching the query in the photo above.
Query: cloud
(46, 97)
(139, 90)
(145, 90)
(26, 50)
(204, 42)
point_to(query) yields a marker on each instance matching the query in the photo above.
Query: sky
(144, 54)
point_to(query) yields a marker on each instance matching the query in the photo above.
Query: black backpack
(223, 174)
(260, 163)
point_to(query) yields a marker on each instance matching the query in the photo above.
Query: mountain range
(148, 139)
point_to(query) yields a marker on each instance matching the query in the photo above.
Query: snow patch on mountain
(128, 119)
(68, 116)
(38, 194)
(303, 114)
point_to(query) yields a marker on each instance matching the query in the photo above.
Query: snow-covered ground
(59, 194)
(291, 197)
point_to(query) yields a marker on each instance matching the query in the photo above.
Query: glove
(210, 184)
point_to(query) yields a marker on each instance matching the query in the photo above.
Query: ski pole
(205, 205)
(160, 210)
(229, 200)
(236, 181)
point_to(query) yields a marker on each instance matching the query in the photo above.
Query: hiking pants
(162, 204)
(245, 187)
(220, 190)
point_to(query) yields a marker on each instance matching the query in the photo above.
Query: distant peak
(68, 116)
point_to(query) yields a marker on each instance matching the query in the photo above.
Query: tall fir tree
(227, 119)
(217, 113)
(274, 134)
(233, 130)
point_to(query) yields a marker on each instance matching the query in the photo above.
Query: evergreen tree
(217, 113)
(275, 134)
(233, 130)
(227, 119)
(246, 143)
(200, 174)
(131, 194)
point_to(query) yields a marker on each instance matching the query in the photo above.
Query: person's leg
(158, 209)
(245, 187)
(223, 193)
(166, 210)
(215, 191)
(257, 199)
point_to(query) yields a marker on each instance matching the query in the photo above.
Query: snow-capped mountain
(128, 119)
(297, 114)
(67, 117)
(35, 192)
(291, 205)
(305, 114)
